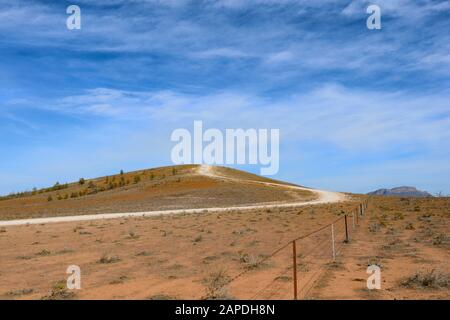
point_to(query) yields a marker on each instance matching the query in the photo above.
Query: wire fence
(298, 264)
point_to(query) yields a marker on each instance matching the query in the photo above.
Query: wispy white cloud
(410, 10)
(141, 68)
(350, 123)
(348, 119)
(221, 53)
(211, 33)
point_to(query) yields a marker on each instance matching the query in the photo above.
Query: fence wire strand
(319, 256)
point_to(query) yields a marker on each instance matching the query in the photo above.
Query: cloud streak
(347, 100)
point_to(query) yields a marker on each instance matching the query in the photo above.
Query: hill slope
(165, 188)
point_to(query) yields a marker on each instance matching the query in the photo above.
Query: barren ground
(229, 254)
(175, 256)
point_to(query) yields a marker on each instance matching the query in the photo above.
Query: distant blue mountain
(401, 192)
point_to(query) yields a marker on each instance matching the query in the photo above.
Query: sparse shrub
(409, 226)
(92, 188)
(215, 286)
(16, 293)
(398, 216)
(143, 254)
(137, 179)
(43, 253)
(440, 239)
(198, 238)
(374, 227)
(50, 198)
(81, 181)
(284, 278)
(132, 234)
(250, 261)
(405, 200)
(59, 292)
(105, 258)
(58, 186)
(74, 195)
(429, 280)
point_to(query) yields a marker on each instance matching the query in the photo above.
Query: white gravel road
(323, 197)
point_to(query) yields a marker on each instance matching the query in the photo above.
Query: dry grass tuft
(427, 280)
(216, 286)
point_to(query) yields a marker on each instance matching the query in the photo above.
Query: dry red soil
(227, 254)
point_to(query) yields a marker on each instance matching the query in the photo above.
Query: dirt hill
(165, 188)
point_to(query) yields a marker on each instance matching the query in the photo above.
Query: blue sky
(357, 109)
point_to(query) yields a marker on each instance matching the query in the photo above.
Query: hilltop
(164, 188)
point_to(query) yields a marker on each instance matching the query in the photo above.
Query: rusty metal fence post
(294, 256)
